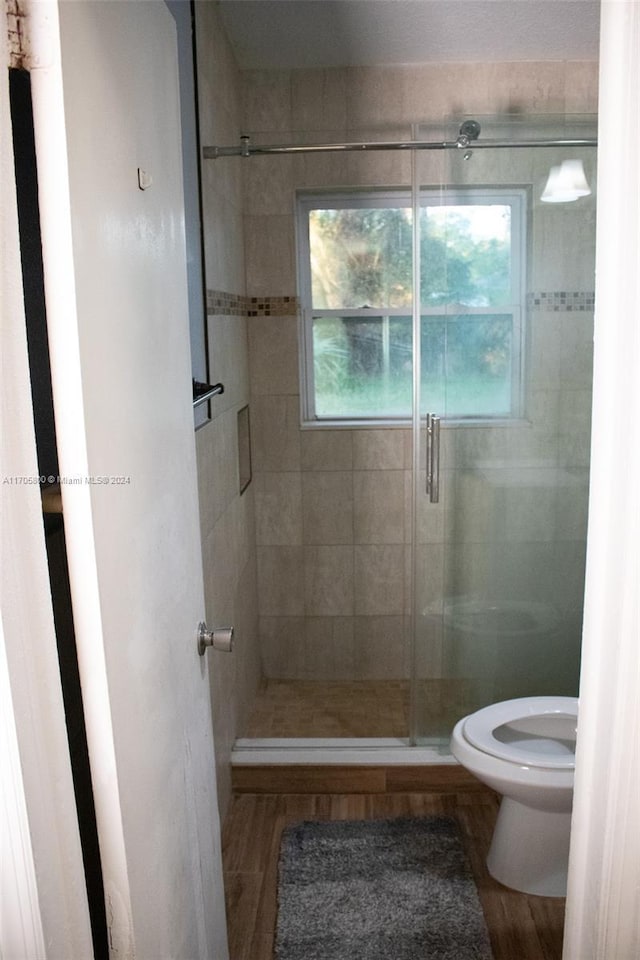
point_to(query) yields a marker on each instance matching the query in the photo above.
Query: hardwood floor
(521, 927)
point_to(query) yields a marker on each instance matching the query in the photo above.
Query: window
(356, 267)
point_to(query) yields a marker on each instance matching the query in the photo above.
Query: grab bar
(204, 391)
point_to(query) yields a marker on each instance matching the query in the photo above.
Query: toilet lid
(530, 731)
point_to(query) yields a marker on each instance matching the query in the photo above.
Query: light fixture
(566, 183)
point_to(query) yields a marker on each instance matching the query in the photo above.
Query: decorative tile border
(560, 301)
(272, 306)
(220, 303)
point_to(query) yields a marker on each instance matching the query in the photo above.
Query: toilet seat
(531, 749)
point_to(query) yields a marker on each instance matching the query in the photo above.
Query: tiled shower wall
(333, 505)
(227, 518)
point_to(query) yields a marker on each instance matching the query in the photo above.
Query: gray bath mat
(377, 890)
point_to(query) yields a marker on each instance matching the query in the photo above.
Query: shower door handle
(433, 457)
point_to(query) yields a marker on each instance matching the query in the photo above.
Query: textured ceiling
(268, 34)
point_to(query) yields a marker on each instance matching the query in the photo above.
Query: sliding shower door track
(357, 751)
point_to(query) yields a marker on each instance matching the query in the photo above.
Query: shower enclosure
(490, 351)
(501, 489)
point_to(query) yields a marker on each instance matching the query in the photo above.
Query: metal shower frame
(468, 136)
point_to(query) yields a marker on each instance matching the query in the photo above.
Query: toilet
(524, 749)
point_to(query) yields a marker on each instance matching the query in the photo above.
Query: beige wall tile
(216, 447)
(322, 170)
(378, 449)
(564, 243)
(282, 647)
(220, 570)
(221, 682)
(474, 512)
(430, 517)
(544, 350)
(245, 519)
(224, 252)
(529, 86)
(228, 362)
(273, 355)
(210, 508)
(375, 96)
(505, 445)
(379, 507)
(267, 100)
(380, 169)
(280, 581)
(278, 509)
(246, 649)
(312, 648)
(327, 504)
(433, 90)
(275, 433)
(576, 350)
(328, 580)
(329, 648)
(569, 558)
(326, 449)
(222, 178)
(382, 648)
(270, 253)
(575, 411)
(573, 505)
(574, 449)
(218, 75)
(379, 580)
(521, 574)
(432, 583)
(542, 409)
(268, 185)
(530, 510)
(319, 99)
(581, 86)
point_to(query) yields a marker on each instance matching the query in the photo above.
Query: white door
(107, 124)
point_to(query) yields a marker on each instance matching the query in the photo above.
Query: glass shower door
(506, 308)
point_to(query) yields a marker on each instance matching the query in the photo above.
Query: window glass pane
(433, 370)
(465, 255)
(360, 257)
(359, 261)
(362, 366)
(466, 365)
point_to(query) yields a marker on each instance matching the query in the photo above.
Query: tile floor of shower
(365, 708)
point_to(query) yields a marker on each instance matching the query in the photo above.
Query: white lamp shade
(566, 183)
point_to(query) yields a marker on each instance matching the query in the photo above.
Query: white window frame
(515, 197)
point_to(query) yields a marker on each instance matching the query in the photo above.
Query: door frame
(44, 900)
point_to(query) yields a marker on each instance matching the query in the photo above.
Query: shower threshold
(345, 751)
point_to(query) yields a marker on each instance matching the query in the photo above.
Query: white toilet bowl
(525, 750)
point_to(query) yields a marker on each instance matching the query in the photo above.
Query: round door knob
(220, 639)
